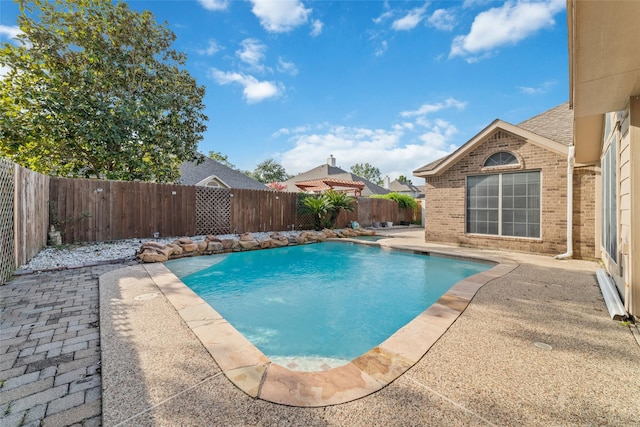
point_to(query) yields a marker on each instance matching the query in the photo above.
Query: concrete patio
(535, 347)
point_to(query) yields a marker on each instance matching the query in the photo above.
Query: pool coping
(253, 373)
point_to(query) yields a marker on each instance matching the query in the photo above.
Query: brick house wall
(584, 211)
(446, 194)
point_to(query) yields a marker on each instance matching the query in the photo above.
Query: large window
(505, 204)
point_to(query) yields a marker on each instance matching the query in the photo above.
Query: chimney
(331, 161)
(386, 183)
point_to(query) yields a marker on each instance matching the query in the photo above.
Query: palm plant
(318, 207)
(339, 202)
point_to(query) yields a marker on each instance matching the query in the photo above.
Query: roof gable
(551, 123)
(192, 173)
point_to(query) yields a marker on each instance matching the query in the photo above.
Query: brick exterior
(445, 199)
(584, 212)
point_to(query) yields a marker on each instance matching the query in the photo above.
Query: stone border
(185, 247)
(252, 372)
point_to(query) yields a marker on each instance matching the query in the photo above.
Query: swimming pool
(331, 301)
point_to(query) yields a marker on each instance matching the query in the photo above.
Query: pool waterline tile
(253, 373)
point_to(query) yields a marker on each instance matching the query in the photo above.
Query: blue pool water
(328, 300)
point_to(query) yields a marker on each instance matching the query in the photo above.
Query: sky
(396, 84)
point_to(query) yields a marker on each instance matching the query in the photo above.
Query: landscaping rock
(215, 246)
(248, 244)
(158, 252)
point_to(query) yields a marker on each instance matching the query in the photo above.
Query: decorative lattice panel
(7, 258)
(213, 210)
(304, 221)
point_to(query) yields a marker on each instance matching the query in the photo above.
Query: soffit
(604, 43)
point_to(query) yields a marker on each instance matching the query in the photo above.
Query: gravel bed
(54, 257)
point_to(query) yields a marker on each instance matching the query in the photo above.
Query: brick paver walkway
(50, 349)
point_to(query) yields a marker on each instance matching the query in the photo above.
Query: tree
(403, 179)
(368, 172)
(269, 171)
(96, 90)
(276, 186)
(221, 158)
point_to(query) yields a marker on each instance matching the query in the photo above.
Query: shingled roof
(194, 174)
(555, 124)
(333, 172)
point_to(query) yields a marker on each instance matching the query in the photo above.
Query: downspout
(570, 163)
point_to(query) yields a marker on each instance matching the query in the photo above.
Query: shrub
(403, 200)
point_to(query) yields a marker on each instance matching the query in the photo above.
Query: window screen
(504, 204)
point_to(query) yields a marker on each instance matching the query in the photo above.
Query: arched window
(501, 158)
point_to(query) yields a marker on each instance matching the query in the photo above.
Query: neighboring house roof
(403, 187)
(335, 173)
(552, 129)
(209, 170)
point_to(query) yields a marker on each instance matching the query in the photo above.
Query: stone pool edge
(253, 373)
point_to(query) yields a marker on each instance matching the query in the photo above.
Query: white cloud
(9, 31)
(442, 19)
(380, 148)
(212, 48)
(386, 15)
(254, 90)
(252, 52)
(384, 45)
(439, 135)
(316, 28)
(214, 4)
(280, 16)
(410, 20)
(287, 67)
(395, 151)
(4, 70)
(540, 89)
(505, 25)
(432, 108)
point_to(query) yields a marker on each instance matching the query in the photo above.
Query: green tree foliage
(403, 200)
(403, 179)
(368, 172)
(269, 171)
(96, 90)
(221, 158)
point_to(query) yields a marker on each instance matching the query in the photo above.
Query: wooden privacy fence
(23, 215)
(87, 210)
(369, 211)
(31, 214)
(257, 211)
